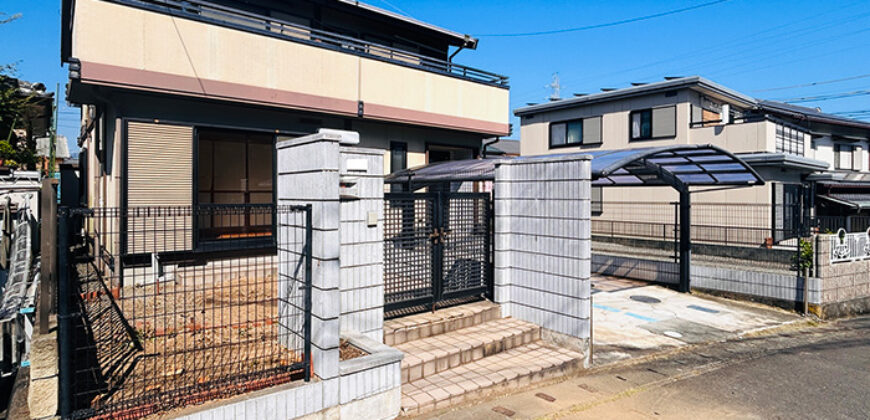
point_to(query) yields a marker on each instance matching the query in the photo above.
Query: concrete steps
(467, 352)
(428, 356)
(415, 327)
(512, 369)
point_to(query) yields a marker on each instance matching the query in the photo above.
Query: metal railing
(155, 319)
(851, 224)
(270, 26)
(850, 246)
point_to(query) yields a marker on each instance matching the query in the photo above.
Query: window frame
(838, 159)
(200, 243)
(631, 114)
(582, 141)
(395, 146)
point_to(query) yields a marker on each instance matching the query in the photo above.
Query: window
(843, 157)
(398, 161)
(234, 175)
(789, 140)
(597, 200)
(653, 123)
(575, 132)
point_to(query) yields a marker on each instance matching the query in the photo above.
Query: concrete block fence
(542, 245)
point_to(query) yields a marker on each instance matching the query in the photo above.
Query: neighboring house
(23, 128)
(182, 103)
(43, 152)
(790, 146)
(502, 148)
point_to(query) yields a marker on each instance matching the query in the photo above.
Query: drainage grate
(644, 299)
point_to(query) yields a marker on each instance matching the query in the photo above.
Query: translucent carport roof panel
(689, 165)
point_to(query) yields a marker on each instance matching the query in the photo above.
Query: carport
(706, 167)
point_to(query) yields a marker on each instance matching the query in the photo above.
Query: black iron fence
(174, 306)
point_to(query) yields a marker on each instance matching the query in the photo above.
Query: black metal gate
(437, 247)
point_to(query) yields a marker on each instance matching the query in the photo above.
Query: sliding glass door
(235, 173)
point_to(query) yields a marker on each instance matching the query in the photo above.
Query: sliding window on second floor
(789, 140)
(844, 157)
(579, 132)
(654, 123)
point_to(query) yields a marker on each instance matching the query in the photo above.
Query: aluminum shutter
(159, 174)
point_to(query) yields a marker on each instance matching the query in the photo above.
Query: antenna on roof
(557, 88)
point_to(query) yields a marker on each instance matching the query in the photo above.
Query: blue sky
(747, 45)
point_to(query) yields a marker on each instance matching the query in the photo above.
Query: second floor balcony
(204, 49)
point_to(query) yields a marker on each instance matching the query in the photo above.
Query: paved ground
(632, 318)
(797, 371)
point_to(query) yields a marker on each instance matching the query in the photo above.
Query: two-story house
(183, 101)
(791, 147)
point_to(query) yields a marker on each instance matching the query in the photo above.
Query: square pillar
(543, 245)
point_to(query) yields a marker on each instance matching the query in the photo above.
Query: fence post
(308, 290)
(63, 313)
(47, 242)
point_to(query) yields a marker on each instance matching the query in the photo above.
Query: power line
(827, 97)
(604, 25)
(823, 82)
(745, 41)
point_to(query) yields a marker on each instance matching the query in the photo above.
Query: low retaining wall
(368, 387)
(845, 285)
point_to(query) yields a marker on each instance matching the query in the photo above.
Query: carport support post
(685, 239)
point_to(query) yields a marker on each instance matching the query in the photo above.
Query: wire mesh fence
(717, 223)
(174, 306)
(722, 234)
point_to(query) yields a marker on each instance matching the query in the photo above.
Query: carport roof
(676, 165)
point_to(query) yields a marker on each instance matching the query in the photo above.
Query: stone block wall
(542, 243)
(845, 286)
(362, 247)
(308, 173)
(666, 272)
(344, 185)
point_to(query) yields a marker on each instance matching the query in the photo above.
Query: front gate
(437, 247)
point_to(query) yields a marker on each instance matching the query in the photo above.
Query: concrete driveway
(632, 318)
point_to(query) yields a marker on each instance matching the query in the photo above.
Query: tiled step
(414, 327)
(438, 353)
(514, 368)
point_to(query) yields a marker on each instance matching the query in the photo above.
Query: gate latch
(439, 235)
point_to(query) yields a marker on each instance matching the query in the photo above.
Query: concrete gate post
(543, 245)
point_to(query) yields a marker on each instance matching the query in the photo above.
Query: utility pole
(53, 142)
(556, 86)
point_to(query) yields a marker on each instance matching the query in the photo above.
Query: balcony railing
(270, 26)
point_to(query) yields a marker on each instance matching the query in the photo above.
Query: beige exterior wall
(535, 134)
(737, 138)
(125, 46)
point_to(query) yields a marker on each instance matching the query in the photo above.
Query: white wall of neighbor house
(824, 149)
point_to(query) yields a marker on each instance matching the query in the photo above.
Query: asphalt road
(803, 371)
